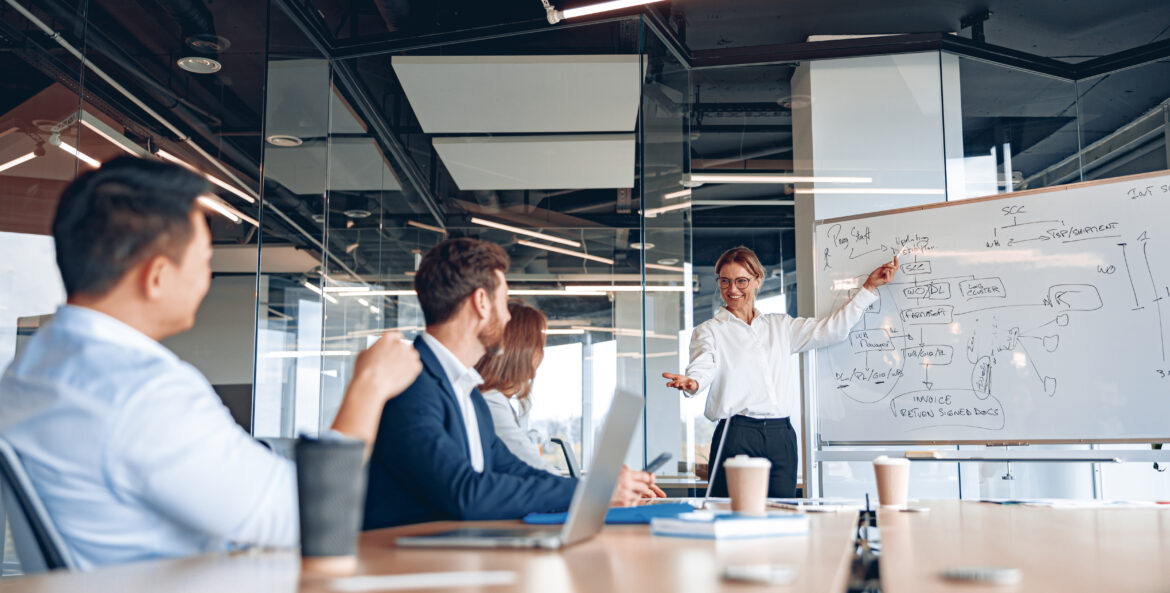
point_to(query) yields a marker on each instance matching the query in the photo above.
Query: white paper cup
(747, 483)
(893, 481)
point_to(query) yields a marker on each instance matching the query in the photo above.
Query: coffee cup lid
(745, 461)
(886, 460)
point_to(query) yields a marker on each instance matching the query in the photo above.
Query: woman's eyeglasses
(740, 283)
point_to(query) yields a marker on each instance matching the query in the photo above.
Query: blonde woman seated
(507, 374)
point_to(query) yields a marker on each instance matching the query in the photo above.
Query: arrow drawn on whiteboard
(1157, 297)
(1129, 274)
(926, 376)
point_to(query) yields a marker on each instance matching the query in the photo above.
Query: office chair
(283, 446)
(570, 457)
(38, 544)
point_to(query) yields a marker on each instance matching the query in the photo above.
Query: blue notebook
(639, 515)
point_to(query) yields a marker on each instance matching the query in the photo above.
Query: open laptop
(590, 500)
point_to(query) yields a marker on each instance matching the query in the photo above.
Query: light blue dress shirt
(131, 450)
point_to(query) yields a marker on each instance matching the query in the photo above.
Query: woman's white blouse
(508, 429)
(751, 369)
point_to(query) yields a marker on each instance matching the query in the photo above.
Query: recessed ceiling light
(636, 245)
(668, 261)
(284, 140)
(358, 213)
(208, 43)
(200, 65)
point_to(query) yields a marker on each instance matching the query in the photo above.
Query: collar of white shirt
(462, 378)
(724, 315)
(463, 381)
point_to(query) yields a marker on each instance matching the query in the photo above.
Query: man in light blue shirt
(129, 447)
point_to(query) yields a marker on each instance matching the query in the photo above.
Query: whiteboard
(1040, 316)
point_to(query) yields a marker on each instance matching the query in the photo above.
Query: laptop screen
(591, 499)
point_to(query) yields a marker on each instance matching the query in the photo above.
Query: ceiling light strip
(654, 212)
(567, 252)
(665, 268)
(212, 178)
(622, 288)
(506, 227)
(306, 353)
(81, 156)
(110, 135)
(897, 191)
(222, 207)
(17, 161)
(602, 7)
(564, 332)
(370, 293)
(314, 288)
(427, 227)
(551, 292)
(515, 292)
(772, 178)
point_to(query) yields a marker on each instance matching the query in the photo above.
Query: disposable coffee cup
(331, 490)
(893, 481)
(747, 483)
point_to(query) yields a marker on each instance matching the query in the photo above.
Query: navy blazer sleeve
(420, 469)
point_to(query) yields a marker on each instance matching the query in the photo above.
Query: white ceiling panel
(520, 94)
(296, 103)
(539, 162)
(355, 164)
(275, 259)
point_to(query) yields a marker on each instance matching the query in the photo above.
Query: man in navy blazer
(436, 456)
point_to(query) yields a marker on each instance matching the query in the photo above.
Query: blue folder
(639, 515)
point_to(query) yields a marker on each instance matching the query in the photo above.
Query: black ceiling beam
(883, 45)
(918, 42)
(1006, 57)
(790, 52)
(1124, 59)
(387, 44)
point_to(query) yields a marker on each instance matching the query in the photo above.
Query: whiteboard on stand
(1037, 316)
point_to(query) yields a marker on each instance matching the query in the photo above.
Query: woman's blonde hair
(742, 256)
(510, 368)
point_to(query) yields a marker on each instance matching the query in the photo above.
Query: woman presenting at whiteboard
(742, 356)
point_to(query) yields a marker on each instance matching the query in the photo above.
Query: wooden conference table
(620, 558)
(1119, 549)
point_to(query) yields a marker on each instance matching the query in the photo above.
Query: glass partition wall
(548, 144)
(588, 135)
(599, 199)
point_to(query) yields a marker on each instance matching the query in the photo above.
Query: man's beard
(493, 335)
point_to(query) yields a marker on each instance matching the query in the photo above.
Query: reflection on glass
(1019, 129)
(1123, 119)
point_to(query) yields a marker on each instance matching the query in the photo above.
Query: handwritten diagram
(1039, 317)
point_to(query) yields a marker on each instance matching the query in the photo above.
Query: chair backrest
(283, 446)
(38, 544)
(570, 457)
